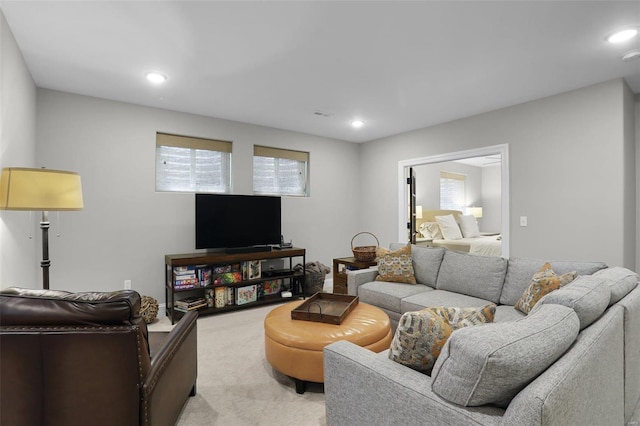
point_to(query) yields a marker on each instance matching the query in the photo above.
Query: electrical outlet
(523, 221)
(127, 284)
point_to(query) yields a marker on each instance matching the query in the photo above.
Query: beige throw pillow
(395, 266)
(542, 283)
(421, 335)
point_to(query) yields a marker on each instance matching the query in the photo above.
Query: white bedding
(486, 245)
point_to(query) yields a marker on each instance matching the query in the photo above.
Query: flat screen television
(250, 222)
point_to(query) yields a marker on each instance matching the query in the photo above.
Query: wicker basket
(148, 309)
(313, 283)
(365, 253)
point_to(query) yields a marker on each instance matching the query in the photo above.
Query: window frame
(195, 144)
(283, 157)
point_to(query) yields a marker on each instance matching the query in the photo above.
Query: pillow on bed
(431, 230)
(449, 227)
(469, 226)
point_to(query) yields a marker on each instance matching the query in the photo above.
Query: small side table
(424, 242)
(340, 267)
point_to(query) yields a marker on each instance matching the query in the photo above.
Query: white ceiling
(397, 65)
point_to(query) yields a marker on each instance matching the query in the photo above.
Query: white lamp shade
(475, 212)
(40, 189)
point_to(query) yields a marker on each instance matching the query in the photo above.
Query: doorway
(500, 152)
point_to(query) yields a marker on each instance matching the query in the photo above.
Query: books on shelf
(205, 275)
(190, 303)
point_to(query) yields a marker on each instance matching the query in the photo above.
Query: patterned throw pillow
(543, 282)
(395, 266)
(421, 335)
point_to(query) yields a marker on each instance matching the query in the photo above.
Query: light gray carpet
(236, 385)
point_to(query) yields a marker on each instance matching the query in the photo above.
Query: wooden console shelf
(219, 282)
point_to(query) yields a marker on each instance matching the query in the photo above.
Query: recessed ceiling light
(357, 123)
(156, 77)
(631, 55)
(624, 35)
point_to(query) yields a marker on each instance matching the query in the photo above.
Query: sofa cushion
(395, 265)
(421, 335)
(478, 276)
(543, 282)
(57, 307)
(506, 313)
(620, 281)
(440, 298)
(388, 295)
(587, 295)
(492, 363)
(520, 271)
(426, 262)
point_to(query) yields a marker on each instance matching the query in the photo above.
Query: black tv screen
(229, 221)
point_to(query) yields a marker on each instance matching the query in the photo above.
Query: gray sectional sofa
(573, 360)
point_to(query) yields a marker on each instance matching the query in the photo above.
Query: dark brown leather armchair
(88, 359)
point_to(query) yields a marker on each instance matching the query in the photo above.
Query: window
(280, 171)
(185, 164)
(452, 191)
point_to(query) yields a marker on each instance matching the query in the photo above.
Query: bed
(468, 239)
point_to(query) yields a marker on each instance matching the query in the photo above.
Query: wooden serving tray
(329, 308)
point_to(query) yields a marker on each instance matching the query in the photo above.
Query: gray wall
(19, 254)
(567, 172)
(126, 227)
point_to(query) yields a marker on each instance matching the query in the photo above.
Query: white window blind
(280, 171)
(185, 164)
(452, 192)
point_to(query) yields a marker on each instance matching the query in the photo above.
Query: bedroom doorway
(498, 155)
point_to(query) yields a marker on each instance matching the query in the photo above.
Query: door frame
(403, 200)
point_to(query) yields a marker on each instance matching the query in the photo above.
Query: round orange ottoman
(294, 347)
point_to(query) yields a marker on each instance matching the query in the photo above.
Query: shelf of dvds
(212, 283)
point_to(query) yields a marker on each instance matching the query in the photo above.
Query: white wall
(126, 227)
(19, 255)
(566, 169)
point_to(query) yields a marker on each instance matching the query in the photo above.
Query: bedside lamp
(475, 212)
(40, 190)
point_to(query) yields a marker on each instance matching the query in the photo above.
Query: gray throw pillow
(587, 295)
(492, 363)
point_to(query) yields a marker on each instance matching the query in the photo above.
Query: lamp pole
(44, 225)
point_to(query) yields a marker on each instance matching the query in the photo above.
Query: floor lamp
(40, 190)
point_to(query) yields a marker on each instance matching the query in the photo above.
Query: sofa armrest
(360, 276)
(172, 377)
(362, 387)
